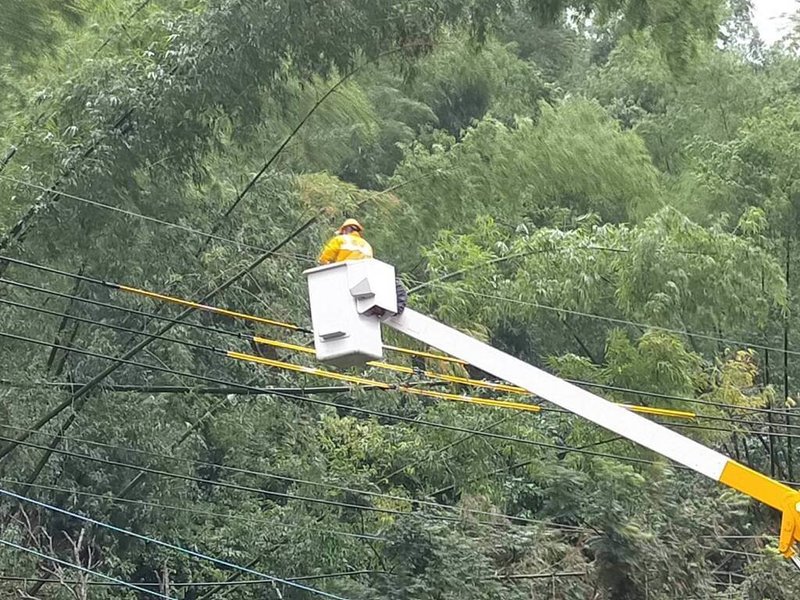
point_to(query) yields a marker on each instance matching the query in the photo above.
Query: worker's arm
(330, 250)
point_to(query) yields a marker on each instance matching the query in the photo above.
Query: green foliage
(756, 169)
(462, 84)
(31, 28)
(580, 194)
(571, 161)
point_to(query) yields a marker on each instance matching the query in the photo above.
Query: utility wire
(377, 384)
(214, 483)
(78, 398)
(336, 405)
(305, 399)
(185, 228)
(370, 382)
(187, 551)
(374, 383)
(184, 389)
(524, 576)
(240, 336)
(189, 304)
(662, 412)
(767, 434)
(287, 140)
(195, 511)
(453, 379)
(638, 392)
(297, 498)
(307, 370)
(211, 584)
(142, 5)
(588, 315)
(118, 308)
(192, 305)
(286, 478)
(70, 565)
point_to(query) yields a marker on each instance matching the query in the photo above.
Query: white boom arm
(349, 290)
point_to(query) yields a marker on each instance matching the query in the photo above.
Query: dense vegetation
(607, 189)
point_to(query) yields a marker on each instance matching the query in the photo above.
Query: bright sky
(772, 17)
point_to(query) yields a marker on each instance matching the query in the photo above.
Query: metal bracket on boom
(790, 529)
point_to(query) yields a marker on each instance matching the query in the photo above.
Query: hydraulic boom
(344, 296)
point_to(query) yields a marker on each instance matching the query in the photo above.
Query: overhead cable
(192, 584)
(442, 376)
(662, 412)
(311, 370)
(361, 381)
(336, 405)
(215, 483)
(618, 321)
(185, 228)
(195, 511)
(186, 389)
(341, 488)
(298, 498)
(70, 565)
(192, 305)
(78, 399)
(375, 384)
(163, 544)
(299, 368)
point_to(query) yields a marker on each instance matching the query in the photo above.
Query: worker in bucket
(348, 244)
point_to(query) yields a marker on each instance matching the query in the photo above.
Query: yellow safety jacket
(346, 246)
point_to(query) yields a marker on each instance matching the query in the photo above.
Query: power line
(407, 370)
(618, 321)
(306, 399)
(279, 364)
(554, 575)
(112, 326)
(185, 228)
(424, 284)
(294, 347)
(304, 330)
(216, 483)
(185, 389)
(116, 307)
(142, 5)
(189, 304)
(293, 367)
(211, 584)
(78, 398)
(286, 496)
(733, 431)
(338, 406)
(192, 305)
(349, 490)
(195, 511)
(661, 412)
(273, 363)
(187, 551)
(70, 565)
(638, 392)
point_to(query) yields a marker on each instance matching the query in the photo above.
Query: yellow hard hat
(350, 223)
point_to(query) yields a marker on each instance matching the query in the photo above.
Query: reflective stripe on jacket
(346, 246)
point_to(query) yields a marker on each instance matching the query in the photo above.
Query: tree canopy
(605, 189)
